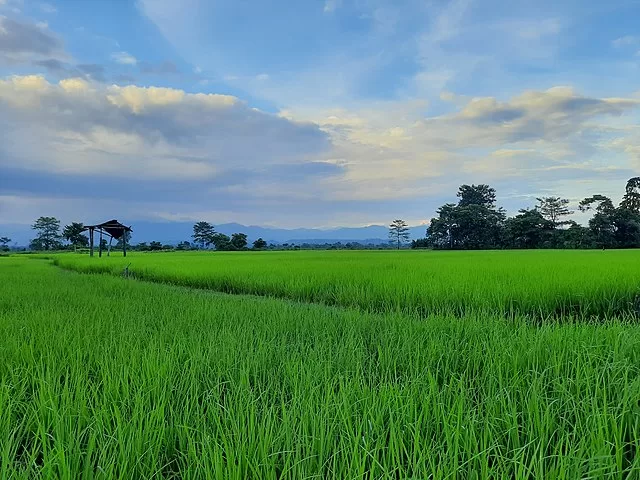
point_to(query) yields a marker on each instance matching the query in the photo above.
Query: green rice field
(542, 284)
(321, 365)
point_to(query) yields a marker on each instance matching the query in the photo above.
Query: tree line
(49, 236)
(205, 236)
(475, 222)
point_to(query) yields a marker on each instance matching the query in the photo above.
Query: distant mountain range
(174, 232)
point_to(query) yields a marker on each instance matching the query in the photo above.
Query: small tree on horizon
(4, 243)
(399, 232)
(203, 234)
(72, 233)
(553, 209)
(221, 242)
(239, 240)
(259, 244)
(48, 237)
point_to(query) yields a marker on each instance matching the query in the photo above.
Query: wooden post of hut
(100, 246)
(91, 240)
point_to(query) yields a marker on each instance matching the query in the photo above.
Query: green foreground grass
(540, 284)
(103, 377)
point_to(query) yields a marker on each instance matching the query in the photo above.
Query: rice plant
(105, 377)
(539, 284)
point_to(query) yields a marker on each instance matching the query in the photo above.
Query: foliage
(613, 227)
(528, 229)
(221, 242)
(155, 246)
(398, 232)
(474, 223)
(420, 243)
(48, 234)
(259, 244)
(631, 198)
(183, 246)
(4, 244)
(554, 209)
(72, 233)
(238, 241)
(482, 195)
(203, 234)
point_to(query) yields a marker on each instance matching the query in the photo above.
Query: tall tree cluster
(476, 223)
(473, 223)
(205, 236)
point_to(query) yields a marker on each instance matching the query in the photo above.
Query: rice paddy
(340, 365)
(541, 284)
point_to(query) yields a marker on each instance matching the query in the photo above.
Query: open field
(106, 377)
(539, 284)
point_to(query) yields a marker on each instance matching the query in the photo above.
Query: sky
(314, 113)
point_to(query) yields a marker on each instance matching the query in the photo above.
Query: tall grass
(539, 284)
(102, 377)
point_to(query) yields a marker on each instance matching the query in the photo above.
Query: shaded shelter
(113, 229)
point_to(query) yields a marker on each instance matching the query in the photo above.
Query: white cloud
(124, 58)
(626, 41)
(48, 8)
(85, 128)
(330, 6)
(393, 150)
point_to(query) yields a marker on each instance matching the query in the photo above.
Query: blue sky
(311, 114)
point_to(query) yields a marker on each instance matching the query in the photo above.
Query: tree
(72, 233)
(602, 203)
(259, 244)
(399, 232)
(626, 224)
(473, 223)
(553, 209)
(631, 198)
(103, 244)
(601, 226)
(576, 236)
(478, 227)
(441, 229)
(482, 195)
(221, 242)
(4, 243)
(155, 246)
(48, 236)
(239, 241)
(183, 246)
(528, 229)
(420, 243)
(203, 234)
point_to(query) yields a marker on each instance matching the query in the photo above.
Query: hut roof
(112, 227)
